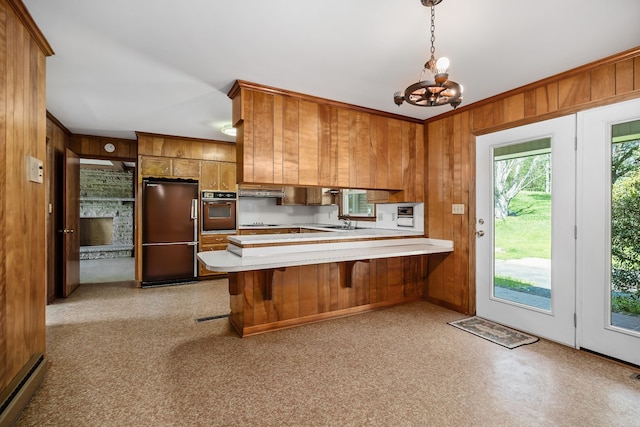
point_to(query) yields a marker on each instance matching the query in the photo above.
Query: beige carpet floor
(123, 356)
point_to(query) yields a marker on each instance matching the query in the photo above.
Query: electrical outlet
(380, 216)
(457, 209)
(393, 217)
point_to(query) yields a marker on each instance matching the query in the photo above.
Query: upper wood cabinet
(297, 140)
(293, 196)
(218, 176)
(210, 162)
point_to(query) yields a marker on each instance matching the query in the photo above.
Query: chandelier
(436, 89)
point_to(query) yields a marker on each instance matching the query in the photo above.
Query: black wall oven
(218, 211)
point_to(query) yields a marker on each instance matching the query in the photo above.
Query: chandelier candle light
(437, 89)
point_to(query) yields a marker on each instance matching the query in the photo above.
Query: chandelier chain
(433, 30)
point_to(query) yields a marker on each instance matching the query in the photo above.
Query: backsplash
(267, 211)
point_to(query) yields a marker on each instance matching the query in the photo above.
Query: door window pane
(522, 226)
(625, 226)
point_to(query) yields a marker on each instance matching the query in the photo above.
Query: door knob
(479, 233)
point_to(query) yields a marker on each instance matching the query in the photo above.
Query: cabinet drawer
(215, 239)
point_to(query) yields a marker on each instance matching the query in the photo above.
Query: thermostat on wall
(35, 169)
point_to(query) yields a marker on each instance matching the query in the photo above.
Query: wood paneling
(450, 158)
(23, 133)
(93, 147)
(317, 292)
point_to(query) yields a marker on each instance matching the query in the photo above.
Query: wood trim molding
(22, 388)
(242, 84)
(628, 54)
(58, 123)
(23, 14)
(182, 138)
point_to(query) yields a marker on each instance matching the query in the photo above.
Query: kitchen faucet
(347, 223)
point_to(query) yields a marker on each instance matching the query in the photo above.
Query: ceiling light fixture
(228, 130)
(437, 89)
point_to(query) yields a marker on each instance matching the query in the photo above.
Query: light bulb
(442, 64)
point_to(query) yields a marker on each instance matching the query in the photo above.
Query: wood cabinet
(155, 166)
(295, 196)
(212, 242)
(298, 140)
(268, 230)
(321, 196)
(165, 167)
(377, 196)
(218, 176)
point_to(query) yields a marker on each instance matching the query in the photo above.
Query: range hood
(261, 192)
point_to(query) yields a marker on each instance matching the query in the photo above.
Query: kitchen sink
(259, 225)
(340, 227)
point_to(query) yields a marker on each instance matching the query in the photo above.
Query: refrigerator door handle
(194, 209)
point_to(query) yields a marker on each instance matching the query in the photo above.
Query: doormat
(494, 332)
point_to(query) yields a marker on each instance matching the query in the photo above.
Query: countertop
(331, 234)
(320, 253)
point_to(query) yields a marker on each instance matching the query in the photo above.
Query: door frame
(558, 324)
(594, 328)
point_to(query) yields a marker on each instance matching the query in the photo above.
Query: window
(353, 205)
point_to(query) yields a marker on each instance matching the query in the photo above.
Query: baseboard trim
(19, 391)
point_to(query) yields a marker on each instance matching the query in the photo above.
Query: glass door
(608, 262)
(525, 249)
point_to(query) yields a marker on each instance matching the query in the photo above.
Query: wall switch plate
(35, 169)
(457, 209)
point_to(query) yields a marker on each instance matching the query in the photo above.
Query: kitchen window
(353, 205)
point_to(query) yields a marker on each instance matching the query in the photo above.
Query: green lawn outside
(526, 233)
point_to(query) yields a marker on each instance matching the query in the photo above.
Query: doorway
(525, 249)
(609, 230)
(106, 220)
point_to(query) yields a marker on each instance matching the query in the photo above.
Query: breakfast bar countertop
(319, 253)
(331, 234)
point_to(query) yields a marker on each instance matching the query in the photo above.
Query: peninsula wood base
(273, 299)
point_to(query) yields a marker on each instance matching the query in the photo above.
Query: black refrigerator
(169, 231)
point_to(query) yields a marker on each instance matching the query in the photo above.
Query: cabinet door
(228, 176)
(377, 196)
(314, 196)
(293, 196)
(186, 168)
(210, 175)
(155, 166)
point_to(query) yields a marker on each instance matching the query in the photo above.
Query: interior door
(525, 249)
(71, 228)
(609, 230)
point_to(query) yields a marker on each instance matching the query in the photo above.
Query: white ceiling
(165, 66)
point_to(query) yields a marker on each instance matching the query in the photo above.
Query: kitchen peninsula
(283, 280)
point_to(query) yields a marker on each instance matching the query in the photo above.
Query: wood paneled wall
(185, 148)
(294, 139)
(309, 293)
(22, 203)
(93, 147)
(451, 157)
